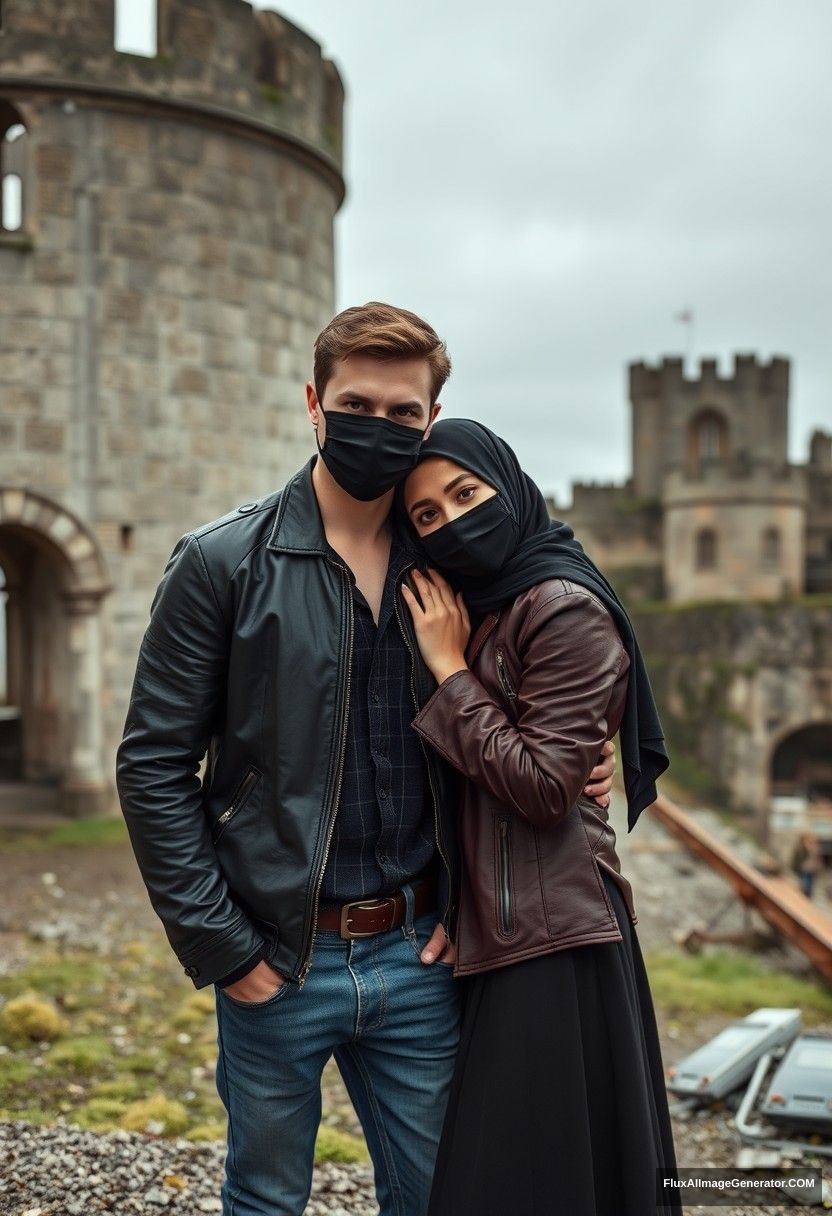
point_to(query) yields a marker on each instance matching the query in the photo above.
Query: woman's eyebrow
(455, 482)
(425, 502)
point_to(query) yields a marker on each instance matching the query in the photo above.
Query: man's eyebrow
(425, 502)
(349, 395)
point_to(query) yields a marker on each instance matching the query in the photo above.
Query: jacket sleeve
(571, 654)
(176, 702)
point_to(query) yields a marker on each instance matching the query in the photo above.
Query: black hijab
(548, 549)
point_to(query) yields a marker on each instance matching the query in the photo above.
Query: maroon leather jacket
(525, 725)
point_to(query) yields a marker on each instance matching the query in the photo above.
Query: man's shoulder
(224, 542)
(238, 520)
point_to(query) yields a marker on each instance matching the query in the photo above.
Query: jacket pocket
(505, 897)
(238, 799)
(504, 677)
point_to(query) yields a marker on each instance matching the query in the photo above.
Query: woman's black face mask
(476, 544)
(367, 456)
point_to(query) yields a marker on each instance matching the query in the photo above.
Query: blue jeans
(807, 882)
(392, 1023)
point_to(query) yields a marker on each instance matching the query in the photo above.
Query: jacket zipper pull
(503, 674)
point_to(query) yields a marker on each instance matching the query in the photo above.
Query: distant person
(807, 862)
(558, 1101)
(311, 876)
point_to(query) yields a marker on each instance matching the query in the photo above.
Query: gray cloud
(550, 184)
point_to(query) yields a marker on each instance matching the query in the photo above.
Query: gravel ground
(62, 1171)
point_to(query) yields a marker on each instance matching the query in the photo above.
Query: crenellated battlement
(219, 57)
(656, 381)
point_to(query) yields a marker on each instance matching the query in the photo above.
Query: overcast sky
(550, 184)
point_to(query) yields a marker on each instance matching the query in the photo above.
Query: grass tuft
(687, 986)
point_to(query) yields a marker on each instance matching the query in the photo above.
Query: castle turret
(166, 261)
(713, 450)
(680, 422)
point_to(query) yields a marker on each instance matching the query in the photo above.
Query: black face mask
(368, 456)
(476, 544)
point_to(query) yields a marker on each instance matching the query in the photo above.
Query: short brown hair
(384, 332)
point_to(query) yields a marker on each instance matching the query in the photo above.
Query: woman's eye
(425, 518)
(466, 493)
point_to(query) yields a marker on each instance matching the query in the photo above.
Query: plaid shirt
(384, 832)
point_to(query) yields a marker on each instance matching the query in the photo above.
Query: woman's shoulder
(555, 597)
(552, 590)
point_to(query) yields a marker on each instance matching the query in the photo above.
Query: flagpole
(686, 318)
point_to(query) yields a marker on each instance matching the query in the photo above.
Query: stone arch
(708, 438)
(800, 758)
(800, 784)
(56, 579)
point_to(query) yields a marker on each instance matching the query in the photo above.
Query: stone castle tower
(166, 261)
(713, 509)
(719, 545)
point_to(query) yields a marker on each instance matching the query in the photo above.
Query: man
(310, 876)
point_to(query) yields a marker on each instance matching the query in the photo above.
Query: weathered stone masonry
(158, 304)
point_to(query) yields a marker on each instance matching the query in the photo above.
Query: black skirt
(558, 1104)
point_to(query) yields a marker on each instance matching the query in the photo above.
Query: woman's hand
(441, 623)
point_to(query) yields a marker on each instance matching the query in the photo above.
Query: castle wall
(731, 681)
(819, 514)
(621, 534)
(158, 310)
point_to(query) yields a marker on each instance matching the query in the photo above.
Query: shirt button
(376, 697)
(382, 793)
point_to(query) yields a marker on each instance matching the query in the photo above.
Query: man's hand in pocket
(260, 983)
(439, 948)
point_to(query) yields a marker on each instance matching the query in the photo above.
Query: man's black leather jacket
(247, 657)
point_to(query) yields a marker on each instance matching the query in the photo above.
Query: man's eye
(357, 404)
(406, 411)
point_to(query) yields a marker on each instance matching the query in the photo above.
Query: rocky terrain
(76, 904)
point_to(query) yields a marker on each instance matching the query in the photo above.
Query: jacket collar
(298, 526)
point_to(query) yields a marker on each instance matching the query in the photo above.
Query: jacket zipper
(446, 914)
(344, 705)
(502, 672)
(505, 904)
(240, 794)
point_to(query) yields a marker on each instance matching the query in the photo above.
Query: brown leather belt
(366, 917)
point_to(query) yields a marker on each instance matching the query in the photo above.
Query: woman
(558, 1102)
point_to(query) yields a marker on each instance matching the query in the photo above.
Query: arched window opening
(771, 548)
(135, 27)
(706, 553)
(13, 140)
(707, 439)
(710, 435)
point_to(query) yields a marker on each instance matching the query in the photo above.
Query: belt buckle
(345, 930)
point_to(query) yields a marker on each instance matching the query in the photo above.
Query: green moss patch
(687, 986)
